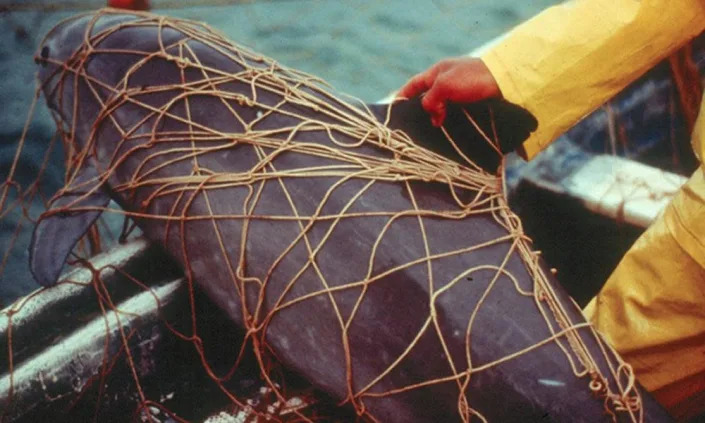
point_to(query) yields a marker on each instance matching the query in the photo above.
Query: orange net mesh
(257, 179)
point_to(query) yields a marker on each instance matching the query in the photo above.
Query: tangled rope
(159, 146)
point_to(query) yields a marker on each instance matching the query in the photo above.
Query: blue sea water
(361, 47)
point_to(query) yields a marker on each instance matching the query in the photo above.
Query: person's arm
(570, 59)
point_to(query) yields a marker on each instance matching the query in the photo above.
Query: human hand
(461, 80)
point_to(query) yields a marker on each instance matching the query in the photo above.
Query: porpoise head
(64, 51)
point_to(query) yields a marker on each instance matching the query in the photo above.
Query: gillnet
(387, 275)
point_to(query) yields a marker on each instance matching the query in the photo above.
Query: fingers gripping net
(304, 216)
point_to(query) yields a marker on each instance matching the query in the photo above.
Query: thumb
(434, 102)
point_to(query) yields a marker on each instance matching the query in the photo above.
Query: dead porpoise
(405, 290)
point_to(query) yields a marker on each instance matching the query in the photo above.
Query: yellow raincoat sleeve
(563, 64)
(570, 59)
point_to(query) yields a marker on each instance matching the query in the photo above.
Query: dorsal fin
(56, 234)
(512, 125)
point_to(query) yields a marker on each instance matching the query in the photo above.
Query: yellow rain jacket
(563, 64)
